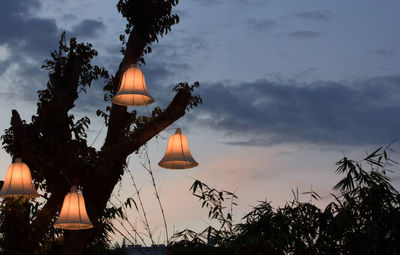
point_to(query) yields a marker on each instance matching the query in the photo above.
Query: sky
(289, 87)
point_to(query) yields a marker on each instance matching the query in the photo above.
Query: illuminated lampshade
(132, 90)
(73, 214)
(178, 154)
(18, 181)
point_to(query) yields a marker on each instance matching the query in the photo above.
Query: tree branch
(173, 112)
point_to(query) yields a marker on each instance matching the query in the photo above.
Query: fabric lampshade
(18, 181)
(132, 90)
(73, 214)
(178, 155)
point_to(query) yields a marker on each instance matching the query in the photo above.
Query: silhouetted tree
(364, 219)
(54, 143)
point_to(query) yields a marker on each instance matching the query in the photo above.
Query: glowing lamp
(18, 181)
(178, 154)
(132, 90)
(73, 214)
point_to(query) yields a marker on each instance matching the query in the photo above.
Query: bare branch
(150, 171)
(146, 222)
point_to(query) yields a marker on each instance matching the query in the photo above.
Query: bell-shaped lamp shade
(18, 181)
(73, 214)
(178, 154)
(132, 90)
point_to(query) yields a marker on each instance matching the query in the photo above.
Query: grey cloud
(305, 34)
(181, 13)
(89, 102)
(263, 113)
(260, 25)
(88, 28)
(214, 2)
(32, 36)
(18, 8)
(305, 73)
(166, 60)
(252, 142)
(319, 15)
(69, 16)
(381, 52)
(208, 2)
(253, 2)
(29, 40)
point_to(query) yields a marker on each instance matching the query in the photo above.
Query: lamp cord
(66, 178)
(98, 134)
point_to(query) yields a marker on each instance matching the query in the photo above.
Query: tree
(363, 219)
(54, 144)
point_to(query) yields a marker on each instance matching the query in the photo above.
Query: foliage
(186, 88)
(148, 19)
(363, 219)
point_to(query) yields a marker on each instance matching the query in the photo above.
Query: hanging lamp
(178, 154)
(73, 214)
(132, 90)
(18, 181)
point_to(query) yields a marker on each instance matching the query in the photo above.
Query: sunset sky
(288, 88)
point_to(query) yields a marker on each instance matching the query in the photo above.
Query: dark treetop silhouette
(363, 219)
(54, 144)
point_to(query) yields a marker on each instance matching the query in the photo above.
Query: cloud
(215, 2)
(181, 13)
(259, 25)
(264, 113)
(318, 15)
(305, 73)
(69, 17)
(27, 40)
(381, 52)
(4, 52)
(253, 2)
(32, 36)
(208, 2)
(88, 28)
(305, 34)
